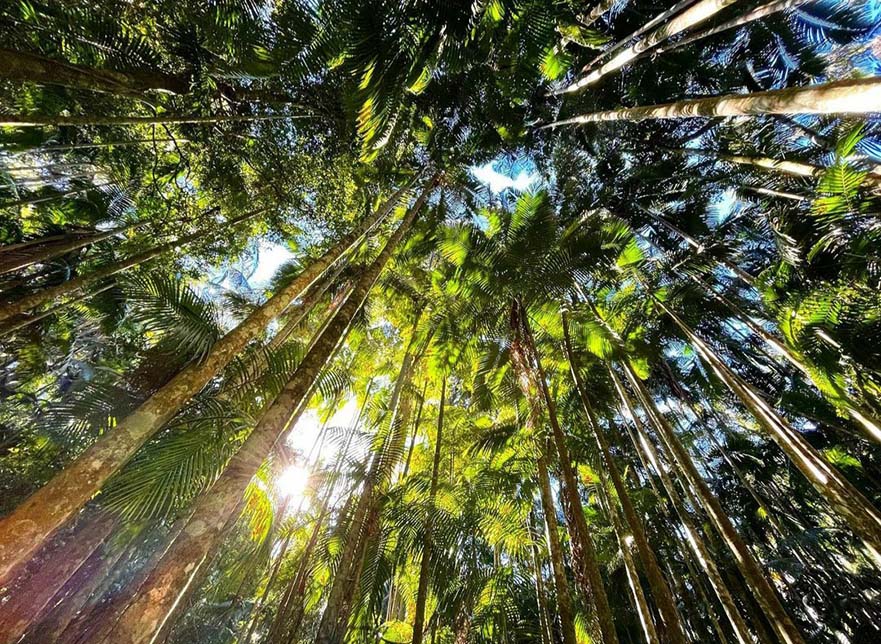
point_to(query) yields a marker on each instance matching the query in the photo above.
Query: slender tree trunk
(625, 546)
(647, 452)
(216, 507)
(587, 570)
(555, 547)
(26, 600)
(859, 513)
(767, 192)
(422, 589)
(73, 286)
(849, 96)
(364, 523)
(50, 250)
(758, 13)
(544, 619)
(28, 526)
(32, 120)
(93, 146)
(695, 15)
(764, 593)
(61, 195)
(672, 627)
(33, 68)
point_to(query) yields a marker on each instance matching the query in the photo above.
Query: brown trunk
(850, 96)
(422, 589)
(672, 628)
(215, 509)
(587, 572)
(764, 593)
(73, 286)
(32, 522)
(648, 454)
(541, 598)
(555, 547)
(26, 600)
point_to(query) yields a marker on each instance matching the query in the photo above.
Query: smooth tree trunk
(427, 540)
(695, 15)
(763, 591)
(46, 249)
(75, 285)
(672, 630)
(762, 11)
(30, 201)
(705, 558)
(26, 599)
(364, 522)
(849, 96)
(32, 120)
(555, 547)
(859, 513)
(625, 546)
(30, 524)
(532, 378)
(216, 508)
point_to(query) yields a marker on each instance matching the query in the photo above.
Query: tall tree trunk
(32, 120)
(93, 146)
(427, 540)
(648, 454)
(762, 11)
(51, 249)
(33, 68)
(862, 517)
(849, 96)
(29, 201)
(547, 636)
(625, 546)
(764, 593)
(695, 15)
(555, 547)
(364, 524)
(28, 526)
(73, 286)
(215, 509)
(672, 628)
(26, 599)
(587, 571)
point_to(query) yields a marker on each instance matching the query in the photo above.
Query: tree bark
(587, 572)
(672, 627)
(764, 593)
(859, 513)
(22, 531)
(648, 454)
(695, 15)
(422, 589)
(215, 509)
(849, 96)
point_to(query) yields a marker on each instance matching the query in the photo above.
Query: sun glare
(292, 482)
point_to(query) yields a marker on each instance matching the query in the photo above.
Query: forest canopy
(411, 321)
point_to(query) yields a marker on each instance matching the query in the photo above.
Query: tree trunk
(862, 517)
(555, 547)
(672, 628)
(215, 509)
(47, 249)
(73, 286)
(61, 195)
(422, 589)
(364, 523)
(644, 447)
(758, 13)
(587, 572)
(625, 546)
(33, 68)
(547, 636)
(849, 96)
(26, 599)
(698, 13)
(764, 593)
(93, 146)
(22, 531)
(31, 120)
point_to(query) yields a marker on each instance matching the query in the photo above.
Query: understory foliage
(443, 362)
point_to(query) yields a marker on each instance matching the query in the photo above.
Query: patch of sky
(506, 173)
